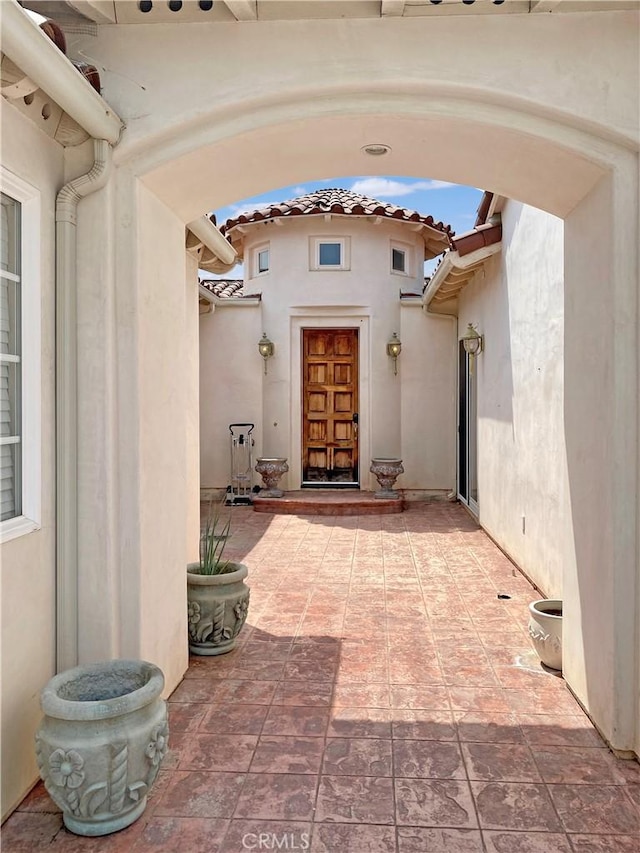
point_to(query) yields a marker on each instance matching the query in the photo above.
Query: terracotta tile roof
(55, 32)
(481, 235)
(459, 273)
(483, 208)
(337, 201)
(225, 288)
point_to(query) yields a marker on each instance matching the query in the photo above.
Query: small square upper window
(329, 254)
(398, 260)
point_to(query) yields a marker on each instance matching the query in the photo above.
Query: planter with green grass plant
(217, 596)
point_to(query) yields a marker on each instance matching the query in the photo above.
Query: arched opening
(514, 149)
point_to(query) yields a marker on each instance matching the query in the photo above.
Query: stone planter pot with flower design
(101, 743)
(217, 596)
(217, 608)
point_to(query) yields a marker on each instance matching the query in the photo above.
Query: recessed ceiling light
(376, 149)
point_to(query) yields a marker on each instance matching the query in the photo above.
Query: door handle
(355, 420)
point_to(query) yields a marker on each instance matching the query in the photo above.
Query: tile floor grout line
(397, 562)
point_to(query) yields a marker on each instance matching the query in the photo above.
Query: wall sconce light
(266, 349)
(473, 342)
(394, 347)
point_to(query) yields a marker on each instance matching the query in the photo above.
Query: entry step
(328, 502)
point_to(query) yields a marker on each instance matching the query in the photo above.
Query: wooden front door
(330, 401)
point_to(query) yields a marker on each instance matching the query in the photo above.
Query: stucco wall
(428, 400)
(599, 584)
(231, 379)
(522, 469)
(28, 562)
(164, 358)
(379, 65)
(192, 412)
(366, 297)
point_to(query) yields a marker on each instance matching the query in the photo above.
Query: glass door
(467, 430)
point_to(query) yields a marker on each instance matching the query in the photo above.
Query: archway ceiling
(508, 161)
(193, 11)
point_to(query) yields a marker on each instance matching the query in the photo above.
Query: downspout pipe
(22, 40)
(67, 401)
(37, 56)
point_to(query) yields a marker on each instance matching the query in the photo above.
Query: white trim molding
(332, 317)
(31, 356)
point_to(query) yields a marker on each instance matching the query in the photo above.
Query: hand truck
(240, 489)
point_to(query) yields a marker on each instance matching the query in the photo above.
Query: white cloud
(239, 209)
(235, 272)
(386, 187)
(299, 191)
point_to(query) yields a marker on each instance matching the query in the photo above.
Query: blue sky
(450, 203)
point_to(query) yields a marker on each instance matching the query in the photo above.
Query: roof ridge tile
(334, 200)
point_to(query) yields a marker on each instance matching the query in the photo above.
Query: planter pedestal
(101, 743)
(386, 472)
(271, 468)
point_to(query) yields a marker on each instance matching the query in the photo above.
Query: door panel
(330, 406)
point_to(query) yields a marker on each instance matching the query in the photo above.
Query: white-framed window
(400, 259)
(261, 260)
(20, 388)
(330, 253)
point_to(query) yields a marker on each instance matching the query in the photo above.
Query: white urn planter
(217, 608)
(271, 468)
(386, 471)
(545, 630)
(101, 743)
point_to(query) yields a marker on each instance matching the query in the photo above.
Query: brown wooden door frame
(330, 407)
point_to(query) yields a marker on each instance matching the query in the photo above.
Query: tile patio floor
(383, 699)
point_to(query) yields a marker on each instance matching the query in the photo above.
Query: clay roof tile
(336, 201)
(225, 288)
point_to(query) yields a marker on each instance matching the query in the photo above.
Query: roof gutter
(23, 41)
(225, 256)
(468, 251)
(206, 300)
(452, 262)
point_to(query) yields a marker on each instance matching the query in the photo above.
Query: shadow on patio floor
(382, 699)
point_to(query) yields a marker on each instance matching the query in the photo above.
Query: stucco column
(600, 581)
(138, 409)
